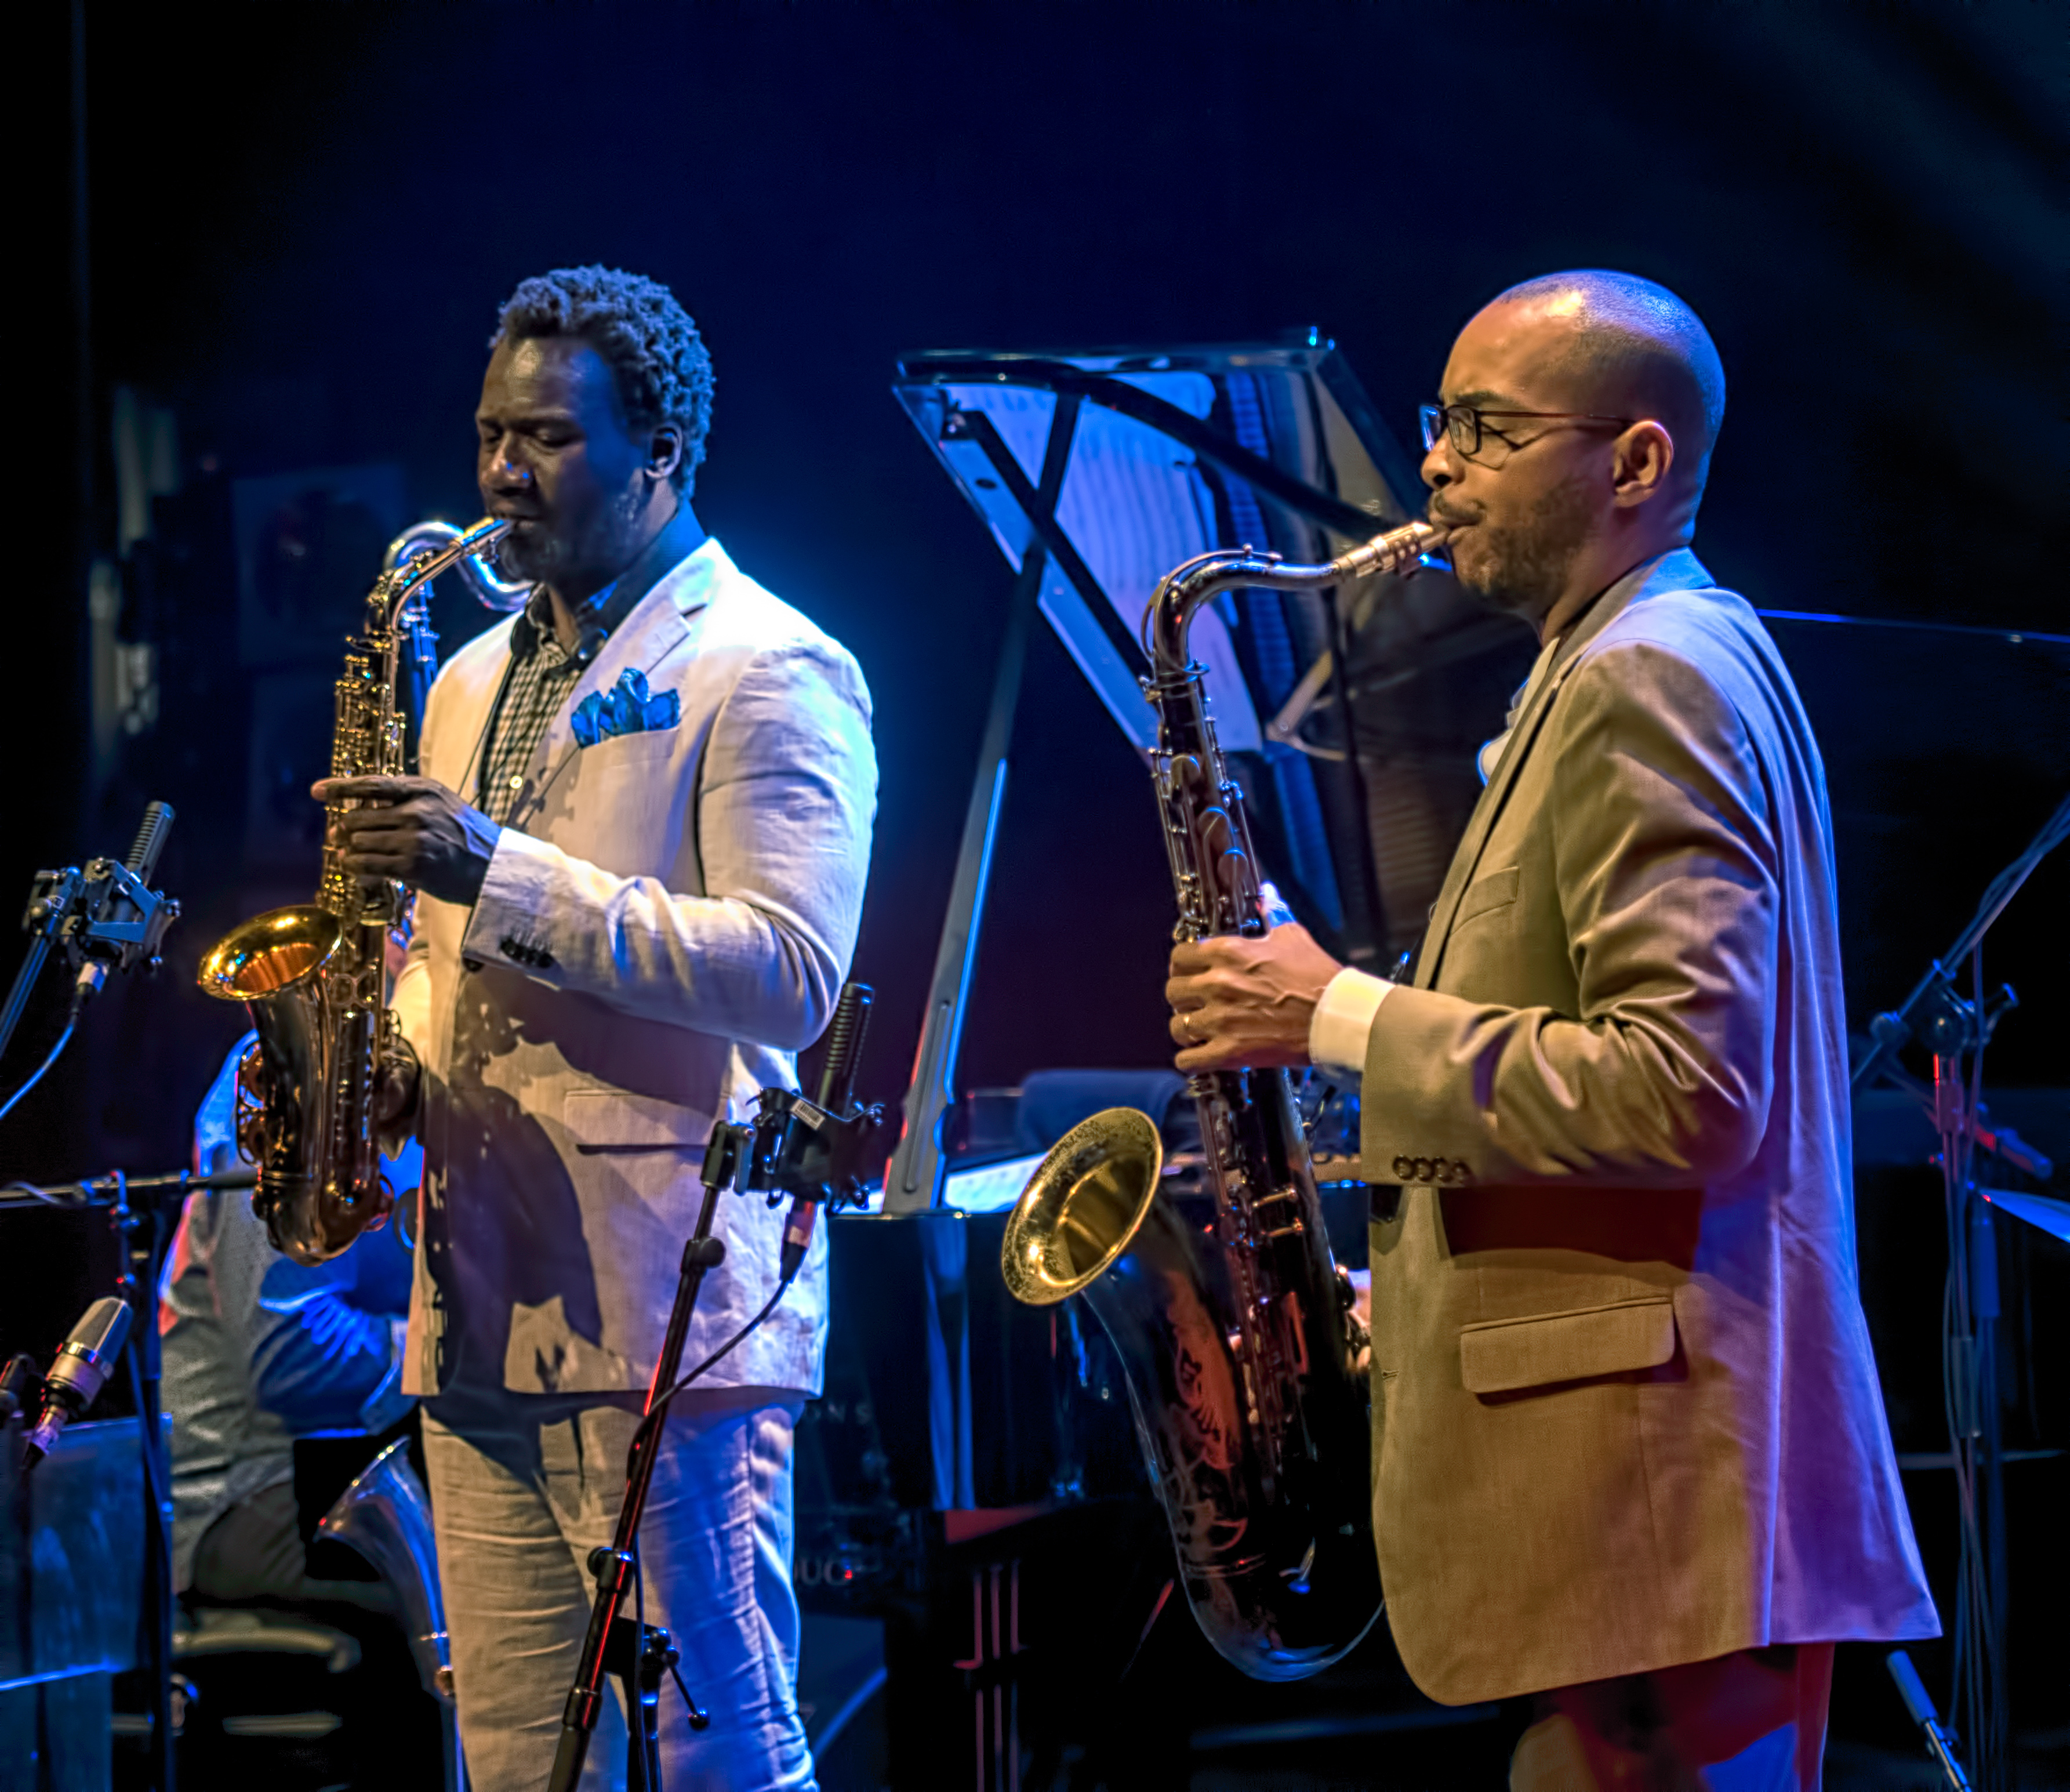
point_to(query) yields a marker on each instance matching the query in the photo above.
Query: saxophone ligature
(1242, 1351)
(312, 975)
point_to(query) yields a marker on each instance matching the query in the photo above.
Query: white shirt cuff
(1343, 1019)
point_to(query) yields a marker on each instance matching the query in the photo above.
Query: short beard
(600, 548)
(1524, 564)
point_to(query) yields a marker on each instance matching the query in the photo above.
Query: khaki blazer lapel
(1481, 823)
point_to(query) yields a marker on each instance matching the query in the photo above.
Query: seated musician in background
(639, 843)
(1630, 1454)
(260, 1351)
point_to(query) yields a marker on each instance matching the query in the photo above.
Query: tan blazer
(664, 925)
(1624, 1410)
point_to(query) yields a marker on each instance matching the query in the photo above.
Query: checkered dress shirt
(539, 686)
(540, 682)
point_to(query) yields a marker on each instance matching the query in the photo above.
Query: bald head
(1582, 409)
(1638, 351)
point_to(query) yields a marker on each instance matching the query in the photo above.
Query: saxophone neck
(1182, 592)
(419, 554)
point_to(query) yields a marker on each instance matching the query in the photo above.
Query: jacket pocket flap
(1497, 889)
(1504, 1354)
(602, 1119)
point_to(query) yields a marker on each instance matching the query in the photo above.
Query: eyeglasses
(1469, 432)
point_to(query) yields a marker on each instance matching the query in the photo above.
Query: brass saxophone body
(312, 975)
(1241, 1353)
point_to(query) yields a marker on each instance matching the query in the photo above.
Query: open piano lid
(1350, 716)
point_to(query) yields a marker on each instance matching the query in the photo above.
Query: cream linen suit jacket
(1625, 1414)
(667, 918)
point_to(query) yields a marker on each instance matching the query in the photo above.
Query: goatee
(598, 546)
(527, 556)
(1523, 564)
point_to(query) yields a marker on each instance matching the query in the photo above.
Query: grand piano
(971, 1476)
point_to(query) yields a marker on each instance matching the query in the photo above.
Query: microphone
(83, 1361)
(118, 917)
(844, 1040)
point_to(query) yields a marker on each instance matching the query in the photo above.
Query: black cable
(635, 1715)
(1992, 1723)
(1969, 1381)
(661, 1409)
(64, 1039)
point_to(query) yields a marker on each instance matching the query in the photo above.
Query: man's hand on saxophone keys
(1240, 1002)
(414, 830)
(397, 1083)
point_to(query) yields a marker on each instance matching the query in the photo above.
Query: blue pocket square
(625, 709)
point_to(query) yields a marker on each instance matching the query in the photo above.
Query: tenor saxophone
(1242, 1354)
(312, 975)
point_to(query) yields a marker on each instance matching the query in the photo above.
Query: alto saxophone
(312, 975)
(1243, 1363)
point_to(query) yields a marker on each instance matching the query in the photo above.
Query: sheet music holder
(1352, 716)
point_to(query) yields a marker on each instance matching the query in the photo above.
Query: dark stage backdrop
(301, 222)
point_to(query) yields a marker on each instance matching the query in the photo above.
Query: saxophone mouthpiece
(1392, 552)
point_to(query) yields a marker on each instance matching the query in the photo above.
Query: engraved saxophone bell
(1082, 1207)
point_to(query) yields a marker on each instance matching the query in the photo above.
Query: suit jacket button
(510, 948)
(470, 964)
(1405, 1167)
(542, 957)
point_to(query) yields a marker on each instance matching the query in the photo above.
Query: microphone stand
(812, 1151)
(1956, 1030)
(145, 1230)
(640, 1654)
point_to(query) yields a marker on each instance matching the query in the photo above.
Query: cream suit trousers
(524, 1486)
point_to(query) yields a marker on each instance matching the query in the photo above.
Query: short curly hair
(661, 367)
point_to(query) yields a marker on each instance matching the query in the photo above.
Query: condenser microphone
(83, 1362)
(836, 1091)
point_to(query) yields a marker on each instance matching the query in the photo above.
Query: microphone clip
(797, 1149)
(103, 917)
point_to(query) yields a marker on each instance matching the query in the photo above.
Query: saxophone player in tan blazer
(1629, 1450)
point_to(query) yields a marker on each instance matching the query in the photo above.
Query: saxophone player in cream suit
(639, 841)
(1629, 1450)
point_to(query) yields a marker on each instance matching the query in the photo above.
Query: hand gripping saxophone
(1242, 1362)
(312, 975)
